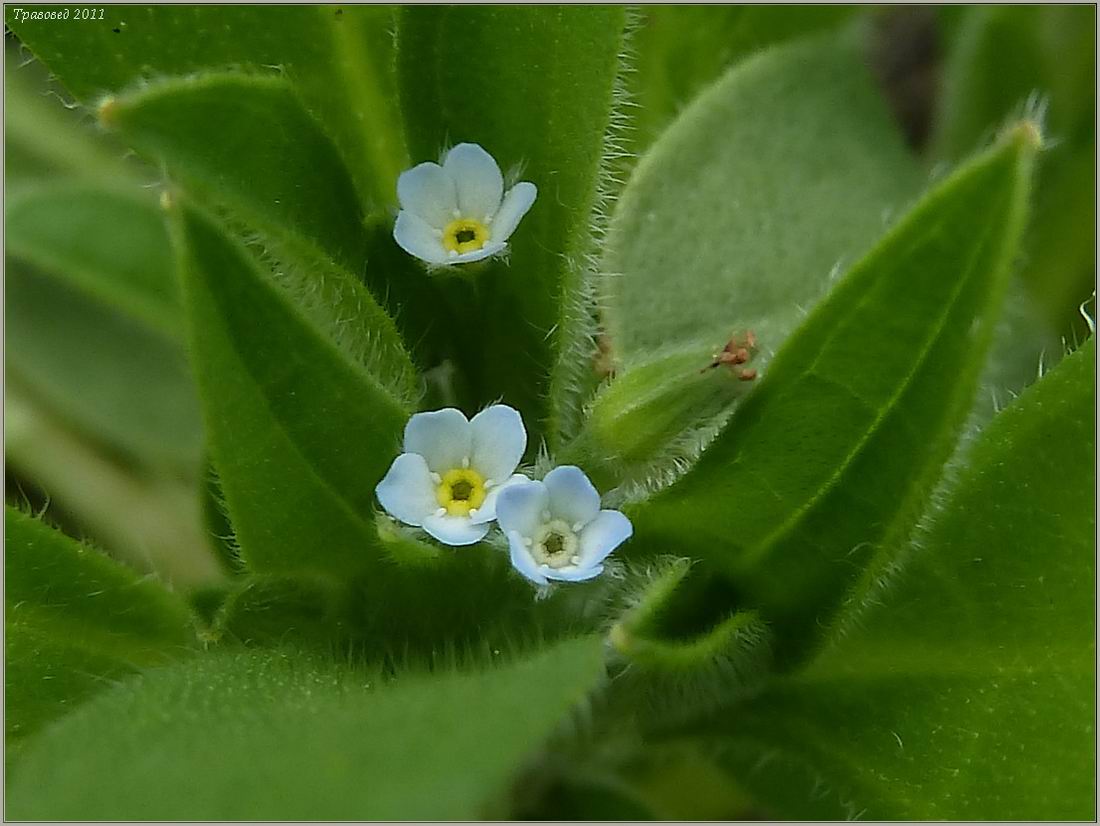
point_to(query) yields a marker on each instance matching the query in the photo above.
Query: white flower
(555, 527)
(452, 471)
(458, 212)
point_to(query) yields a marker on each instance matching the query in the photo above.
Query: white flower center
(555, 545)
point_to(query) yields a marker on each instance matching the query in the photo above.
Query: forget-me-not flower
(555, 527)
(452, 471)
(458, 212)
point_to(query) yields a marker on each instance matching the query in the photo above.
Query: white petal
(442, 437)
(574, 574)
(477, 179)
(498, 441)
(522, 560)
(455, 530)
(520, 507)
(602, 535)
(414, 235)
(488, 510)
(429, 192)
(491, 248)
(512, 209)
(407, 492)
(572, 496)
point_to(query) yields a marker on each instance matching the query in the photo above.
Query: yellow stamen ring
(465, 235)
(460, 491)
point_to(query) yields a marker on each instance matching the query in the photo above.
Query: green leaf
(339, 59)
(273, 167)
(266, 610)
(1006, 59)
(44, 139)
(146, 516)
(969, 691)
(994, 64)
(487, 75)
(477, 600)
(92, 298)
(658, 632)
(823, 469)
(268, 735)
(300, 429)
(215, 521)
(281, 176)
(106, 373)
(779, 174)
(1004, 54)
(682, 48)
(678, 648)
(74, 622)
(112, 244)
(1061, 267)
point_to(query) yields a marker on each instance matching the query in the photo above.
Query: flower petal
(491, 248)
(572, 496)
(602, 535)
(417, 237)
(454, 530)
(514, 206)
(520, 508)
(522, 560)
(442, 437)
(477, 180)
(574, 574)
(488, 510)
(498, 441)
(429, 192)
(407, 492)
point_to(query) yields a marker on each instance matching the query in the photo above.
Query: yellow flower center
(465, 235)
(460, 491)
(555, 545)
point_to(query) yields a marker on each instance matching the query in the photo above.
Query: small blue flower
(555, 527)
(458, 212)
(453, 470)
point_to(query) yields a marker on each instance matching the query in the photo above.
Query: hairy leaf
(682, 48)
(1042, 59)
(273, 610)
(147, 516)
(969, 692)
(274, 167)
(535, 87)
(43, 139)
(1000, 57)
(339, 59)
(75, 621)
(299, 428)
(681, 649)
(281, 177)
(824, 467)
(270, 735)
(782, 172)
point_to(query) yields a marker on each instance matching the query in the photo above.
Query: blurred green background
(102, 428)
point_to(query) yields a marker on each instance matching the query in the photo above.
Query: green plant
(855, 586)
